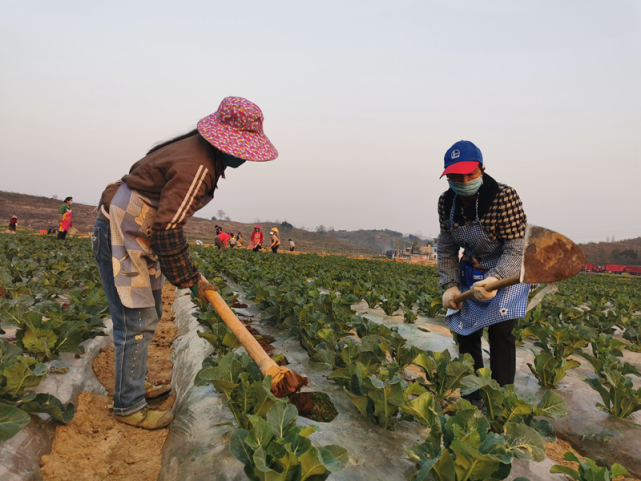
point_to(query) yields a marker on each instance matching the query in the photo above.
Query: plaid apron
(509, 303)
(136, 268)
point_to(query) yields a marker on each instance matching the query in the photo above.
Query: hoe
(284, 381)
(547, 257)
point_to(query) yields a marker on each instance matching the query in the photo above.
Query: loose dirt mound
(94, 446)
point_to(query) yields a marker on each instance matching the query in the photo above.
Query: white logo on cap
(456, 154)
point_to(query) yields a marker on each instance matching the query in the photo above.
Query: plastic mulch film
(20, 455)
(593, 433)
(198, 445)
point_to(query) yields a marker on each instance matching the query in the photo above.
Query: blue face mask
(231, 161)
(466, 189)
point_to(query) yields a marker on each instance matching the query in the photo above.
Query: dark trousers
(257, 248)
(502, 352)
(275, 249)
(62, 234)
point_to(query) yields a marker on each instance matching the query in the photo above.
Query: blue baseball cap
(462, 158)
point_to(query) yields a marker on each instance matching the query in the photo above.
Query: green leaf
(618, 470)
(573, 473)
(470, 464)
(443, 469)
(281, 417)
(264, 398)
(261, 433)
(239, 448)
(37, 341)
(262, 471)
(334, 457)
(552, 405)
(12, 420)
(423, 409)
(69, 337)
(46, 403)
(19, 377)
(8, 351)
(311, 463)
(525, 442)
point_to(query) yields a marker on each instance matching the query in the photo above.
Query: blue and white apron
(509, 303)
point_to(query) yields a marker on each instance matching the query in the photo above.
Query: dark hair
(212, 152)
(68, 199)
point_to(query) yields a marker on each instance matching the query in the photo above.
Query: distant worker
(256, 243)
(275, 240)
(65, 224)
(239, 240)
(292, 245)
(232, 242)
(138, 239)
(221, 240)
(13, 224)
(486, 219)
(218, 229)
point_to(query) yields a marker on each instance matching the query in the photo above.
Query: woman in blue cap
(487, 221)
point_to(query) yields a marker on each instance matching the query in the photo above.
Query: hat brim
(461, 168)
(247, 145)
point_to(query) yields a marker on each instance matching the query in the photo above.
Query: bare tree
(320, 229)
(220, 214)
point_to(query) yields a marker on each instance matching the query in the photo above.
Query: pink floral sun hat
(236, 128)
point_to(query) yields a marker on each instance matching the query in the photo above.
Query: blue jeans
(133, 329)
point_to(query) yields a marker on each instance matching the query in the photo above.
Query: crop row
(50, 293)
(308, 297)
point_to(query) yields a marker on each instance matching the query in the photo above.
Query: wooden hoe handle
(284, 381)
(492, 286)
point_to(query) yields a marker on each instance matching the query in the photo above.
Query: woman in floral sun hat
(138, 238)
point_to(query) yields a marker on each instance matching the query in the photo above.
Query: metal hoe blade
(549, 256)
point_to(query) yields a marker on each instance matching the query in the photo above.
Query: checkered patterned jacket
(182, 178)
(502, 217)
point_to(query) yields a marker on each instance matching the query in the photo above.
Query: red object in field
(614, 268)
(633, 270)
(43, 231)
(589, 267)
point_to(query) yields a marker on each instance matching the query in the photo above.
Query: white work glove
(448, 298)
(479, 291)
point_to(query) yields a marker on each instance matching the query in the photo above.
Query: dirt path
(94, 446)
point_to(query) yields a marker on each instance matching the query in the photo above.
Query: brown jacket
(180, 175)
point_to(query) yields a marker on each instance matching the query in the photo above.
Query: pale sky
(361, 98)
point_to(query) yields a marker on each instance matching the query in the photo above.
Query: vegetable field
(51, 301)
(372, 336)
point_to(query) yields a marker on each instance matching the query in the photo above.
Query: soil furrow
(94, 446)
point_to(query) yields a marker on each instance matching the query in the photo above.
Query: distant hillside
(378, 239)
(627, 252)
(38, 213)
